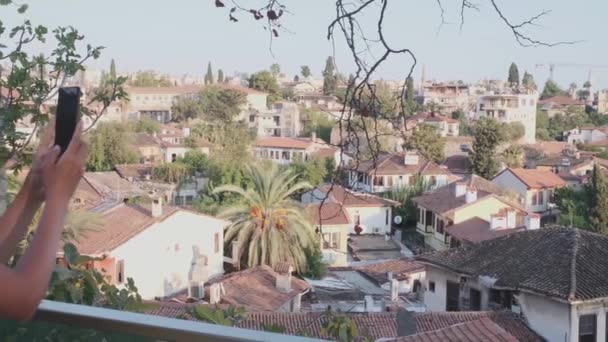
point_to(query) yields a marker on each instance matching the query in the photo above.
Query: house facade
(586, 135)
(394, 171)
(283, 150)
(535, 189)
(281, 120)
(445, 126)
(458, 207)
(367, 214)
(333, 224)
(133, 239)
(563, 300)
(448, 97)
(509, 108)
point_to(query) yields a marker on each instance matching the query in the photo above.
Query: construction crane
(570, 65)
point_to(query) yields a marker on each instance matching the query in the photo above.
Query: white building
(156, 247)
(367, 213)
(332, 222)
(586, 135)
(156, 102)
(445, 126)
(284, 150)
(448, 97)
(393, 171)
(557, 279)
(534, 187)
(282, 120)
(510, 108)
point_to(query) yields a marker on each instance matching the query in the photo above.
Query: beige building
(510, 108)
(282, 120)
(448, 97)
(284, 150)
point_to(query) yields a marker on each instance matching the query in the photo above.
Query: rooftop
(112, 184)
(480, 330)
(338, 194)
(536, 178)
(328, 214)
(285, 142)
(143, 139)
(401, 269)
(458, 164)
(561, 101)
(567, 264)
(393, 164)
(476, 230)
(135, 171)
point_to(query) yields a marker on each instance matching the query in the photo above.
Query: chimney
(186, 132)
(394, 290)
(368, 303)
(471, 195)
(410, 157)
(215, 293)
(389, 276)
(283, 280)
(235, 255)
(511, 218)
(313, 136)
(157, 207)
(498, 221)
(154, 134)
(460, 189)
(532, 221)
(297, 303)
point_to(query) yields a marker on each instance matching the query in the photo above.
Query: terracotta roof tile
(350, 198)
(328, 214)
(536, 178)
(458, 164)
(255, 289)
(328, 152)
(481, 330)
(564, 263)
(285, 142)
(110, 184)
(401, 269)
(561, 101)
(135, 171)
(476, 230)
(144, 140)
(393, 164)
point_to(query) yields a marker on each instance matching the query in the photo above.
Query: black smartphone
(67, 116)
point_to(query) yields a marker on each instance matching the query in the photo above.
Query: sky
(182, 36)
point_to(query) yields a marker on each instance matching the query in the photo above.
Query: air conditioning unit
(196, 290)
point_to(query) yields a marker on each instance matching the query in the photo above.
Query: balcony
(123, 326)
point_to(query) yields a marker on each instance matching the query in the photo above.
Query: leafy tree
(275, 70)
(226, 317)
(113, 69)
(598, 201)
(513, 156)
(220, 76)
(458, 114)
(429, 143)
(110, 144)
(296, 78)
(513, 75)
(573, 206)
(147, 125)
(315, 267)
(196, 161)
(330, 80)
(288, 94)
(185, 108)
(552, 89)
(528, 80)
(513, 131)
(268, 219)
(176, 172)
(305, 71)
(384, 104)
(410, 99)
(149, 78)
(341, 328)
(488, 136)
(221, 104)
(266, 82)
(317, 122)
(407, 209)
(312, 171)
(209, 75)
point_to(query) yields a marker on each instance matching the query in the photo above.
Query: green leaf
(70, 253)
(22, 8)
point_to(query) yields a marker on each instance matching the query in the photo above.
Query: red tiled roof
(255, 289)
(328, 214)
(120, 224)
(401, 269)
(144, 140)
(350, 198)
(135, 171)
(562, 101)
(477, 230)
(536, 178)
(284, 142)
(328, 152)
(393, 164)
(187, 89)
(550, 147)
(480, 330)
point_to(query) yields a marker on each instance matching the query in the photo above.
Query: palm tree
(268, 226)
(513, 156)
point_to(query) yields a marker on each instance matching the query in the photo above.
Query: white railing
(155, 327)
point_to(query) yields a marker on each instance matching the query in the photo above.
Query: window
(379, 180)
(535, 198)
(120, 271)
(475, 300)
(271, 154)
(389, 180)
(189, 199)
(216, 242)
(432, 286)
(541, 197)
(386, 218)
(173, 157)
(587, 328)
(433, 181)
(331, 240)
(286, 155)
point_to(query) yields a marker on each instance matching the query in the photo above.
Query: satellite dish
(397, 219)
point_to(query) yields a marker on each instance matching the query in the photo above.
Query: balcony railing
(154, 327)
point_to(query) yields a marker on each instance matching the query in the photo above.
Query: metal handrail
(160, 328)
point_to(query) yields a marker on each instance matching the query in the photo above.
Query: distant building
(555, 278)
(333, 224)
(284, 151)
(156, 102)
(587, 135)
(561, 105)
(509, 108)
(134, 239)
(535, 189)
(367, 214)
(467, 211)
(448, 97)
(282, 120)
(397, 170)
(445, 126)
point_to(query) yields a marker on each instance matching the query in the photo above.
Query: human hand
(34, 178)
(61, 175)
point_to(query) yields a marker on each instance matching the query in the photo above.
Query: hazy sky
(181, 36)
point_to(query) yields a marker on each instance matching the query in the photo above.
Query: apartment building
(281, 120)
(511, 107)
(448, 97)
(284, 150)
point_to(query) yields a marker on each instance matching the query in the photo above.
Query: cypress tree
(513, 75)
(220, 76)
(598, 201)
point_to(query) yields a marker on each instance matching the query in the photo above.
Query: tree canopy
(305, 71)
(552, 89)
(110, 144)
(209, 75)
(528, 80)
(330, 79)
(429, 143)
(513, 75)
(488, 136)
(149, 78)
(266, 82)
